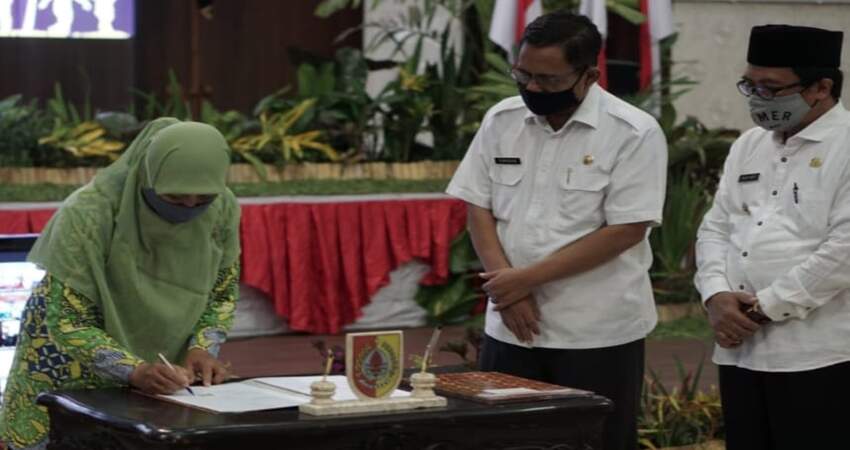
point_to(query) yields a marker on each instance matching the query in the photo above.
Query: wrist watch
(755, 314)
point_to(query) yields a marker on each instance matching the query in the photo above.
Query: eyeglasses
(547, 82)
(747, 88)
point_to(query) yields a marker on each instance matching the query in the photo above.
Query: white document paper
(237, 397)
(508, 391)
(261, 394)
(301, 385)
(528, 391)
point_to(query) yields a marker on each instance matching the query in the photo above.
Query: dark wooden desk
(121, 419)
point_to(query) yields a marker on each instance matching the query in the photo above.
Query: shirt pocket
(810, 212)
(750, 197)
(506, 180)
(582, 192)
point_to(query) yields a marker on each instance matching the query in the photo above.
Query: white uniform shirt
(548, 188)
(780, 229)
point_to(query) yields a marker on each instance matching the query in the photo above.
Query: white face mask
(779, 113)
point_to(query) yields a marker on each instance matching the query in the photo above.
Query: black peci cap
(793, 46)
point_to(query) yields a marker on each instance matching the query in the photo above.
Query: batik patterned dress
(62, 345)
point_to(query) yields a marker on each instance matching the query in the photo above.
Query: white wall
(712, 48)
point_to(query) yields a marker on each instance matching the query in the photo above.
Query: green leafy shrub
(21, 124)
(682, 416)
(454, 302)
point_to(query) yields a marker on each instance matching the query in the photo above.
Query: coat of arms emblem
(374, 363)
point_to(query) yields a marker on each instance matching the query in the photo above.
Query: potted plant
(684, 418)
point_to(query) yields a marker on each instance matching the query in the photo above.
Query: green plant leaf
(495, 91)
(328, 7)
(272, 102)
(626, 10)
(353, 70)
(208, 112)
(117, 124)
(9, 102)
(258, 165)
(462, 256)
(681, 416)
(176, 106)
(307, 75)
(447, 303)
(57, 105)
(498, 63)
(633, 4)
(73, 114)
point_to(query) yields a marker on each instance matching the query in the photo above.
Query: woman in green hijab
(142, 260)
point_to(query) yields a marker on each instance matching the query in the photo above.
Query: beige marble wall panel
(712, 49)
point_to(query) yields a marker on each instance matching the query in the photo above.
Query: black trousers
(613, 372)
(786, 410)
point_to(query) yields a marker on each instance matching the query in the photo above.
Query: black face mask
(547, 103)
(171, 212)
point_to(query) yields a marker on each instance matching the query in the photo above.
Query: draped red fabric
(321, 262)
(14, 222)
(24, 221)
(39, 219)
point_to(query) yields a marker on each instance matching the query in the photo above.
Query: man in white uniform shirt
(562, 185)
(773, 253)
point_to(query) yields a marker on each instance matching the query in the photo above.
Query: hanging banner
(80, 19)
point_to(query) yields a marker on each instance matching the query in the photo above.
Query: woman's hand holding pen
(158, 378)
(205, 367)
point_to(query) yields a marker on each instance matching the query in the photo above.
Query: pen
(165, 361)
(328, 364)
(796, 198)
(429, 349)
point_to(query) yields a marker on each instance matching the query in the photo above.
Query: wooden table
(121, 419)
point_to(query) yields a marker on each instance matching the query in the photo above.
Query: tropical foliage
(683, 415)
(21, 125)
(455, 301)
(430, 110)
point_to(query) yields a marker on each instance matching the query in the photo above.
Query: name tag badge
(505, 160)
(748, 177)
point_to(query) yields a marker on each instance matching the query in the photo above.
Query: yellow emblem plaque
(374, 363)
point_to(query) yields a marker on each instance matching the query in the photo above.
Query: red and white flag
(598, 14)
(658, 25)
(509, 20)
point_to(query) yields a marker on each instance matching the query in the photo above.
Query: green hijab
(150, 278)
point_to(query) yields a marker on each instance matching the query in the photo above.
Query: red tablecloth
(320, 262)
